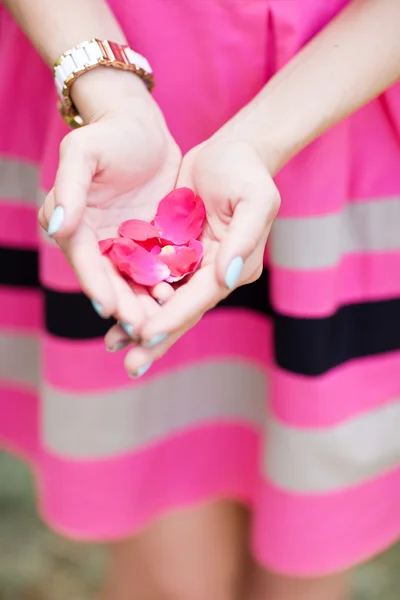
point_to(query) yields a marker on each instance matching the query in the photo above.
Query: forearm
(54, 26)
(352, 61)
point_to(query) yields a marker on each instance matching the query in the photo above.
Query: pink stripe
(19, 419)
(341, 166)
(359, 278)
(24, 116)
(55, 272)
(340, 394)
(321, 170)
(180, 471)
(20, 309)
(18, 226)
(314, 535)
(222, 334)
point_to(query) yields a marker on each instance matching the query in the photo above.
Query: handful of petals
(167, 249)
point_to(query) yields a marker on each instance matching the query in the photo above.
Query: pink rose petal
(138, 230)
(106, 245)
(198, 246)
(179, 259)
(122, 248)
(164, 250)
(180, 216)
(182, 260)
(141, 267)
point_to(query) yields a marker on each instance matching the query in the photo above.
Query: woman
(171, 457)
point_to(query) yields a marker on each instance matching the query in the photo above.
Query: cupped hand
(118, 167)
(241, 202)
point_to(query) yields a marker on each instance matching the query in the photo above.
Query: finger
(83, 254)
(93, 271)
(247, 231)
(47, 209)
(74, 176)
(130, 296)
(139, 359)
(135, 306)
(187, 305)
(123, 333)
(116, 339)
(162, 292)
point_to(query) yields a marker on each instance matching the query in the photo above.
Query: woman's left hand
(241, 202)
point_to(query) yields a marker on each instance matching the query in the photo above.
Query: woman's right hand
(117, 167)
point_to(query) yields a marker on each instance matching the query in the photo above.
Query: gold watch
(89, 55)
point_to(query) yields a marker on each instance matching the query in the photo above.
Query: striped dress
(287, 396)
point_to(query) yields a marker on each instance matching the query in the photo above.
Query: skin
(352, 61)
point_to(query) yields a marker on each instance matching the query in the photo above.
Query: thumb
(76, 170)
(240, 256)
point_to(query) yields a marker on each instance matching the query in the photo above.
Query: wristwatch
(89, 55)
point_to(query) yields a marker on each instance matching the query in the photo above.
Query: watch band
(89, 55)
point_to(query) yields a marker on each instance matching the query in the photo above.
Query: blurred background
(36, 564)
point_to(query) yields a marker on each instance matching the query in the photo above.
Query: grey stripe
(312, 461)
(19, 359)
(19, 180)
(104, 424)
(319, 242)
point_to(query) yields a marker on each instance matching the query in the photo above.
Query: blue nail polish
(233, 272)
(128, 328)
(155, 340)
(98, 308)
(56, 221)
(141, 371)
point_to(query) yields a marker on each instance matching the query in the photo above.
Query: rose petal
(122, 248)
(182, 260)
(141, 267)
(152, 246)
(138, 230)
(180, 216)
(198, 246)
(106, 245)
(179, 259)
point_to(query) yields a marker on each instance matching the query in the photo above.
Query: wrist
(260, 126)
(105, 90)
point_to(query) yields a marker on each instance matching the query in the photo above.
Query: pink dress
(287, 397)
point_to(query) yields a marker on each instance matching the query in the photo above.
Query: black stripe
(19, 267)
(306, 346)
(72, 316)
(314, 346)
(254, 296)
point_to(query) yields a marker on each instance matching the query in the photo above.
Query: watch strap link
(89, 55)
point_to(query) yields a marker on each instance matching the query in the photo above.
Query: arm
(349, 63)
(353, 60)
(114, 169)
(54, 26)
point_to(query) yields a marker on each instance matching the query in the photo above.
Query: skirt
(287, 396)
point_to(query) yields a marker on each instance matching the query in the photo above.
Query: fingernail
(98, 308)
(128, 328)
(56, 220)
(155, 340)
(141, 371)
(119, 345)
(233, 272)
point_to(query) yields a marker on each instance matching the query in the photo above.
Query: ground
(36, 564)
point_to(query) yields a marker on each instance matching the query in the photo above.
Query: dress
(286, 397)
